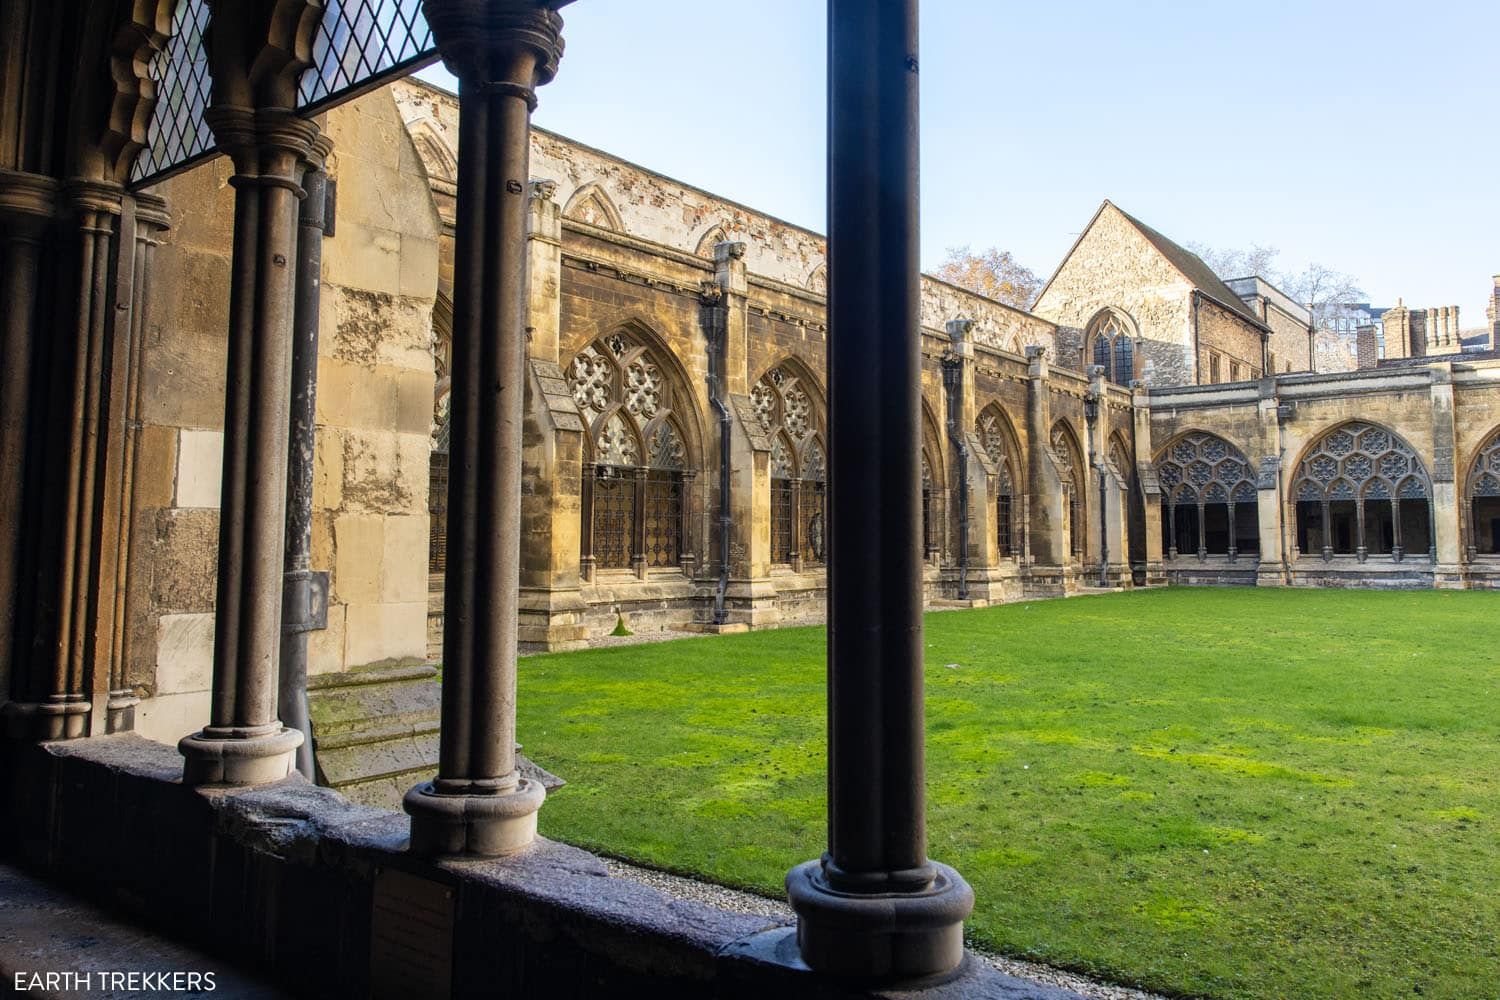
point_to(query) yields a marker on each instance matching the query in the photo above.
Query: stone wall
(1226, 344)
(373, 420)
(1445, 411)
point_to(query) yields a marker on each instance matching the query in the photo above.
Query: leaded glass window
(1113, 350)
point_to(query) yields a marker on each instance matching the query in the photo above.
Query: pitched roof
(1192, 267)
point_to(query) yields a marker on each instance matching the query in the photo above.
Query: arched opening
(1210, 506)
(927, 519)
(437, 459)
(634, 510)
(1484, 499)
(1109, 342)
(1075, 487)
(994, 434)
(789, 408)
(1360, 490)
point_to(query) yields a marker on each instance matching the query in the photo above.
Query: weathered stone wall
(1226, 335)
(1290, 341)
(373, 420)
(1114, 266)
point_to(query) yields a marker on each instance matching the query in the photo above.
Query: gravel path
(736, 901)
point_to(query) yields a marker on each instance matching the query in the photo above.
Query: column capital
(151, 215)
(479, 39)
(27, 201)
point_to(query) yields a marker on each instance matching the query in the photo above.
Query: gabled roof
(1183, 260)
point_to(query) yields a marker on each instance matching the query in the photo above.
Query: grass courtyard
(1230, 793)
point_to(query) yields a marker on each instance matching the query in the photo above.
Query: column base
(486, 825)
(880, 936)
(213, 759)
(38, 721)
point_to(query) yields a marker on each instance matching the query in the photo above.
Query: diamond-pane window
(358, 44)
(361, 41)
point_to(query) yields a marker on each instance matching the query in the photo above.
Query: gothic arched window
(799, 467)
(634, 488)
(1484, 499)
(1360, 490)
(1070, 463)
(1211, 504)
(995, 440)
(1111, 347)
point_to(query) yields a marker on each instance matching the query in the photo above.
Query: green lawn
(1233, 793)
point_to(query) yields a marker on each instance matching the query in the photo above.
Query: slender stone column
(299, 600)
(27, 204)
(500, 50)
(874, 906)
(151, 220)
(245, 742)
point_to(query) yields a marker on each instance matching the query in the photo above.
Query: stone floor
(736, 901)
(94, 954)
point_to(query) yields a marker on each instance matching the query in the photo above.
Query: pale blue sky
(1362, 135)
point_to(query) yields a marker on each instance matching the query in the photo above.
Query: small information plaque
(411, 937)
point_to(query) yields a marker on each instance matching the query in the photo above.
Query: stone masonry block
(200, 468)
(184, 653)
(376, 632)
(403, 564)
(361, 542)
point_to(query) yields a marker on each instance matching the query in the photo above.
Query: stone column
(151, 220)
(27, 204)
(245, 742)
(1446, 537)
(1046, 500)
(750, 597)
(1270, 496)
(552, 606)
(1151, 499)
(874, 906)
(500, 51)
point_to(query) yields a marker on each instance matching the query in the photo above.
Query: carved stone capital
(486, 43)
(257, 50)
(27, 202)
(725, 252)
(544, 190)
(151, 216)
(89, 196)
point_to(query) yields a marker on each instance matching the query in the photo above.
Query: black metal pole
(874, 906)
(298, 611)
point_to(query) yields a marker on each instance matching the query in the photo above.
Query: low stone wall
(321, 895)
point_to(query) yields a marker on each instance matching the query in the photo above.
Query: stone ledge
(285, 875)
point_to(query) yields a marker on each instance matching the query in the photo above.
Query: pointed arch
(817, 280)
(438, 158)
(590, 204)
(997, 434)
(1482, 494)
(1109, 341)
(1068, 455)
(644, 445)
(716, 234)
(1360, 489)
(932, 445)
(1211, 503)
(790, 406)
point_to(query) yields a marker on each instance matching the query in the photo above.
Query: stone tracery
(1361, 490)
(787, 413)
(634, 508)
(1209, 498)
